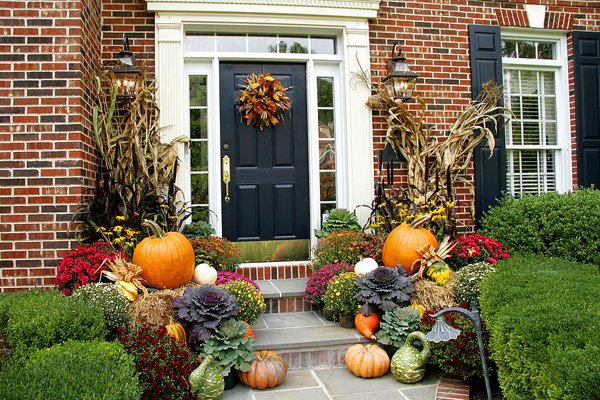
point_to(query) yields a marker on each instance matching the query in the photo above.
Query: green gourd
(408, 363)
(207, 380)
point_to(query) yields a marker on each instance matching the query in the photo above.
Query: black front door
(268, 190)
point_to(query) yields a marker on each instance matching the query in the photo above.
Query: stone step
(305, 339)
(284, 295)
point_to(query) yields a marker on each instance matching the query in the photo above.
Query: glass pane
(327, 155)
(509, 49)
(293, 45)
(200, 214)
(199, 156)
(324, 92)
(199, 189)
(326, 124)
(322, 45)
(531, 109)
(262, 44)
(198, 126)
(198, 91)
(551, 133)
(526, 49)
(550, 109)
(515, 135)
(326, 208)
(515, 106)
(327, 186)
(199, 43)
(548, 79)
(531, 133)
(231, 43)
(545, 51)
(529, 84)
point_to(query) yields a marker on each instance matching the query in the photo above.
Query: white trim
(564, 172)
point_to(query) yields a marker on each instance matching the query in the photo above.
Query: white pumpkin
(365, 266)
(205, 274)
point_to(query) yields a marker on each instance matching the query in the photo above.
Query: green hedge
(543, 315)
(557, 225)
(73, 370)
(37, 319)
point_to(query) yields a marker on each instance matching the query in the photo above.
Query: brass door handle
(226, 167)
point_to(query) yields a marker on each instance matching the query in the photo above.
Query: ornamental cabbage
(384, 289)
(203, 310)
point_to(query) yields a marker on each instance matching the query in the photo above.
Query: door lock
(226, 166)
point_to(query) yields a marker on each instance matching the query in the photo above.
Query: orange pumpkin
(167, 259)
(249, 332)
(267, 370)
(367, 325)
(176, 331)
(401, 245)
(369, 361)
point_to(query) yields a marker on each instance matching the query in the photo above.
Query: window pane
(327, 186)
(293, 45)
(198, 91)
(509, 49)
(199, 189)
(529, 83)
(326, 207)
(324, 92)
(231, 43)
(526, 49)
(545, 51)
(531, 133)
(200, 213)
(198, 125)
(262, 44)
(530, 107)
(200, 43)
(322, 45)
(533, 171)
(548, 79)
(326, 124)
(199, 155)
(326, 155)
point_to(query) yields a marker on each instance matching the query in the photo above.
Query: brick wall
(435, 41)
(45, 148)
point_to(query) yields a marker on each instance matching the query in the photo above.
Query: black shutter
(586, 47)
(486, 65)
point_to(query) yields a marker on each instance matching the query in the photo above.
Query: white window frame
(564, 174)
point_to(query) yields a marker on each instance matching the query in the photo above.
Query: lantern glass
(126, 81)
(400, 87)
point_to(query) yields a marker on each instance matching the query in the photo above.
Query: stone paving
(337, 384)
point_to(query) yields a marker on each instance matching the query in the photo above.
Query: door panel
(269, 168)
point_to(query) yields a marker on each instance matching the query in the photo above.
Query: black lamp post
(400, 80)
(126, 76)
(442, 332)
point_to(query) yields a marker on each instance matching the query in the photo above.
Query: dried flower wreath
(263, 101)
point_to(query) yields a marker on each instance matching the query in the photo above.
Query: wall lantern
(442, 332)
(126, 75)
(400, 81)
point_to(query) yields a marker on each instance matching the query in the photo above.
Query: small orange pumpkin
(367, 325)
(369, 361)
(268, 369)
(249, 332)
(167, 259)
(401, 245)
(176, 331)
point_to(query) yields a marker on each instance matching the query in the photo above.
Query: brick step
(275, 270)
(305, 339)
(284, 295)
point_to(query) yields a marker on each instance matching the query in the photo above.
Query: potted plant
(395, 326)
(340, 298)
(383, 289)
(230, 349)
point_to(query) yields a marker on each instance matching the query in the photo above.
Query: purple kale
(384, 289)
(203, 310)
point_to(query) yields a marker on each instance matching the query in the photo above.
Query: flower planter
(230, 377)
(347, 320)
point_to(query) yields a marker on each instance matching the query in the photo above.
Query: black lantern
(126, 76)
(389, 159)
(400, 81)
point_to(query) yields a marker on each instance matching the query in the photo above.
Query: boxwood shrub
(557, 225)
(72, 370)
(38, 319)
(543, 316)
